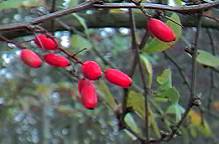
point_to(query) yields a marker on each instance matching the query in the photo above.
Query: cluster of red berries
(90, 69)
(44, 42)
(160, 30)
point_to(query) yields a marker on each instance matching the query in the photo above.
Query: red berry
(82, 83)
(161, 30)
(91, 70)
(87, 92)
(56, 60)
(44, 42)
(118, 78)
(30, 58)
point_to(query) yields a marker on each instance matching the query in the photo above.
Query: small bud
(30, 58)
(118, 78)
(91, 70)
(56, 60)
(44, 42)
(160, 30)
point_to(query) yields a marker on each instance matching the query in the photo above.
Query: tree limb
(101, 20)
(180, 9)
(107, 19)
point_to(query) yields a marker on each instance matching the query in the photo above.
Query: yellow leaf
(117, 11)
(198, 124)
(195, 117)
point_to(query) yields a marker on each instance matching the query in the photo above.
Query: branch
(180, 70)
(193, 96)
(98, 20)
(146, 91)
(212, 76)
(84, 6)
(182, 9)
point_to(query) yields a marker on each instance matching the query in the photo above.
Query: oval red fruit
(161, 30)
(44, 42)
(82, 83)
(56, 60)
(30, 58)
(87, 92)
(117, 77)
(91, 70)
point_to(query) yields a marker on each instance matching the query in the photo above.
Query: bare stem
(180, 70)
(146, 92)
(193, 82)
(212, 81)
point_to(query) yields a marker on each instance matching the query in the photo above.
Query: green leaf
(158, 98)
(170, 94)
(166, 92)
(79, 42)
(72, 3)
(44, 90)
(106, 94)
(136, 101)
(199, 124)
(176, 110)
(207, 59)
(165, 79)
(193, 131)
(155, 45)
(154, 125)
(148, 69)
(129, 120)
(173, 95)
(65, 109)
(179, 2)
(205, 129)
(82, 21)
(9, 4)
(175, 3)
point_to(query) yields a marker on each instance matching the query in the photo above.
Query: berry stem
(70, 55)
(12, 42)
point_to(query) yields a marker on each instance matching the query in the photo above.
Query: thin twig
(53, 8)
(212, 81)
(141, 7)
(180, 70)
(18, 45)
(146, 92)
(71, 55)
(63, 24)
(133, 66)
(141, 46)
(211, 17)
(193, 82)
(100, 55)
